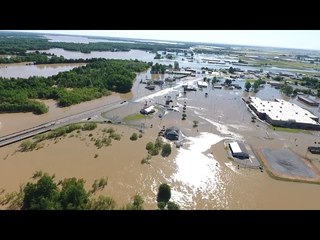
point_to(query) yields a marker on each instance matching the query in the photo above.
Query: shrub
(149, 146)
(89, 126)
(166, 150)
(134, 137)
(154, 151)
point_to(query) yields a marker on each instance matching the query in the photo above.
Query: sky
(303, 39)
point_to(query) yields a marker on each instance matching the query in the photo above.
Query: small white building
(238, 150)
(202, 84)
(147, 110)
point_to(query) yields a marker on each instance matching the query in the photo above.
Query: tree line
(20, 43)
(42, 58)
(44, 192)
(80, 84)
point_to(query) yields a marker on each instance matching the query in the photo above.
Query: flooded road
(204, 177)
(14, 122)
(200, 174)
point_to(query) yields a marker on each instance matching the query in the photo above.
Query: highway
(18, 136)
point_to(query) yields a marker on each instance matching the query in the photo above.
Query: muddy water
(132, 54)
(13, 122)
(125, 173)
(200, 174)
(205, 178)
(22, 70)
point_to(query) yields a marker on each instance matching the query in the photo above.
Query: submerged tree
(164, 193)
(166, 150)
(137, 203)
(247, 86)
(195, 123)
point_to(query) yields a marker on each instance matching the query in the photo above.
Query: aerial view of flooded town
(123, 123)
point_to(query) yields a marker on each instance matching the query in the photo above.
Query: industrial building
(238, 150)
(308, 101)
(284, 114)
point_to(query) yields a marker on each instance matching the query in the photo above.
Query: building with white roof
(147, 110)
(284, 114)
(202, 84)
(238, 150)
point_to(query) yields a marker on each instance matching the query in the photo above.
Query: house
(147, 110)
(172, 133)
(238, 150)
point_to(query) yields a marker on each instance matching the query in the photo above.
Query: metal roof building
(283, 113)
(238, 150)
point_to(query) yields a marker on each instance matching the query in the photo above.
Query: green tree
(166, 150)
(228, 81)
(42, 195)
(231, 70)
(176, 65)
(137, 203)
(287, 89)
(102, 203)
(195, 123)
(214, 80)
(149, 146)
(247, 86)
(134, 137)
(256, 85)
(73, 196)
(173, 206)
(164, 193)
(161, 205)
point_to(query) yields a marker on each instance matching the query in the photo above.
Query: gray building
(172, 133)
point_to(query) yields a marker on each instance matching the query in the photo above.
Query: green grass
(134, 117)
(251, 80)
(290, 130)
(286, 64)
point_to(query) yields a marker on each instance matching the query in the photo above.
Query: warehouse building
(284, 114)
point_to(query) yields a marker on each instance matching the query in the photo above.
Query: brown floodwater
(132, 54)
(22, 70)
(204, 177)
(14, 122)
(199, 173)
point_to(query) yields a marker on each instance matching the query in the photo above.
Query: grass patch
(286, 64)
(290, 130)
(134, 117)
(251, 80)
